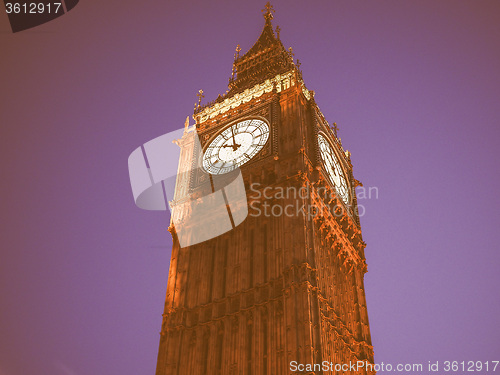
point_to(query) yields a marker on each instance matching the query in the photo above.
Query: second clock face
(235, 146)
(333, 168)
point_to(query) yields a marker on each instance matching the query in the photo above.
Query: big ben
(282, 291)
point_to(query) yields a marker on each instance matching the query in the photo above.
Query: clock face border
(257, 147)
(347, 198)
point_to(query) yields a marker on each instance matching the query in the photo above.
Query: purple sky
(413, 85)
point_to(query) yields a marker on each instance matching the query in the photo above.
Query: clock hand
(232, 132)
(235, 145)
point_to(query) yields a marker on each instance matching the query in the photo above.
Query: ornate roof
(265, 59)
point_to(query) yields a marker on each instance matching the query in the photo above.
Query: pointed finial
(335, 129)
(233, 71)
(278, 29)
(186, 124)
(268, 12)
(236, 56)
(200, 95)
(290, 51)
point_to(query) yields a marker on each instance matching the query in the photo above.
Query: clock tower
(282, 292)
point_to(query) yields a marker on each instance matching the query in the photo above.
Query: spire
(267, 37)
(266, 58)
(268, 13)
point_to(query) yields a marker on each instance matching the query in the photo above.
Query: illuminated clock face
(235, 146)
(333, 168)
